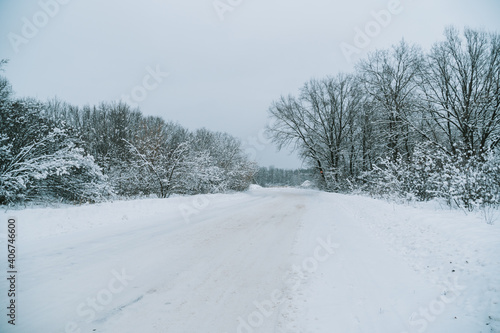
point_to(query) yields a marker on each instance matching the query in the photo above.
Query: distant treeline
(272, 176)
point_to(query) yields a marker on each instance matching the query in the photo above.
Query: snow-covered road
(268, 260)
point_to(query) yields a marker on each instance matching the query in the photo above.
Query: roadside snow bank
(450, 282)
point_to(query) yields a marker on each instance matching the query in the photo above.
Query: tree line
(406, 122)
(57, 151)
(271, 176)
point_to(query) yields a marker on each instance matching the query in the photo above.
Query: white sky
(223, 74)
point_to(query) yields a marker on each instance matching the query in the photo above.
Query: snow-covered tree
(41, 158)
(228, 168)
(406, 124)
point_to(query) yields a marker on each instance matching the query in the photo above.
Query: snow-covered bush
(218, 163)
(386, 179)
(470, 182)
(464, 181)
(200, 174)
(40, 158)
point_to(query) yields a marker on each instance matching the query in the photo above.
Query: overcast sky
(225, 66)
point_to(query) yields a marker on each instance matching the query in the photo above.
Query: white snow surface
(267, 260)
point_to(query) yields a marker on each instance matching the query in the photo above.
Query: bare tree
(461, 83)
(5, 88)
(320, 123)
(389, 77)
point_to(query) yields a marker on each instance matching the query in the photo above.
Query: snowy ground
(268, 260)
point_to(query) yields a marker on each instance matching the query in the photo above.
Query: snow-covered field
(267, 260)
